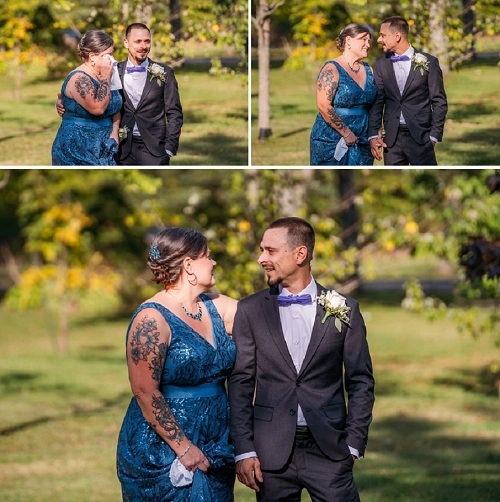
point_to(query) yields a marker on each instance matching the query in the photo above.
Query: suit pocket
(336, 415)
(263, 413)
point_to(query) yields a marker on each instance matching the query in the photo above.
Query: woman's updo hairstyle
(351, 30)
(168, 250)
(95, 41)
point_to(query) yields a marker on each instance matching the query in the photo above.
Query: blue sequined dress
(83, 139)
(192, 367)
(352, 104)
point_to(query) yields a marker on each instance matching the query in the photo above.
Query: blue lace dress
(83, 139)
(352, 104)
(191, 367)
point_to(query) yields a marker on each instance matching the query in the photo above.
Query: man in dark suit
(151, 104)
(410, 99)
(290, 425)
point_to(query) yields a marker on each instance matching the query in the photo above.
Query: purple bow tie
(132, 69)
(287, 300)
(395, 59)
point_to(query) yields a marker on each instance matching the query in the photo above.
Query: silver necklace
(196, 316)
(350, 67)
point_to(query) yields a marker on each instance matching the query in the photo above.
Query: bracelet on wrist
(118, 127)
(348, 134)
(185, 451)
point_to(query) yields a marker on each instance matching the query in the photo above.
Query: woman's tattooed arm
(85, 87)
(326, 88)
(147, 349)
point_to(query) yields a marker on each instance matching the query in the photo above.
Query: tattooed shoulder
(328, 80)
(84, 85)
(145, 344)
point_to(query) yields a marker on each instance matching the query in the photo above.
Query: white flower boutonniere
(156, 72)
(334, 304)
(123, 132)
(420, 61)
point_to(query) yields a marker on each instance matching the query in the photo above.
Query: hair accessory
(154, 252)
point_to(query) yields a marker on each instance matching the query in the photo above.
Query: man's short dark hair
(399, 24)
(135, 26)
(300, 233)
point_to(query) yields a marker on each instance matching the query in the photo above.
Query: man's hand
(376, 145)
(248, 471)
(59, 106)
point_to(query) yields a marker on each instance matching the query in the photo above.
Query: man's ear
(301, 254)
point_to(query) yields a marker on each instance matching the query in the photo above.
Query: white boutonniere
(420, 61)
(156, 72)
(123, 132)
(334, 304)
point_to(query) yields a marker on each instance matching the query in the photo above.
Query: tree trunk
(349, 222)
(470, 21)
(175, 19)
(293, 191)
(439, 40)
(263, 31)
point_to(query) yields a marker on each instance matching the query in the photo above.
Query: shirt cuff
(169, 153)
(434, 139)
(372, 137)
(243, 456)
(354, 452)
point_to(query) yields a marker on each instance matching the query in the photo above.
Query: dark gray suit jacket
(423, 101)
(266, 423)
(158, 115)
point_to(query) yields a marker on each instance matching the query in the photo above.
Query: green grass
(435, 435)
(215, 130)
(472, 129)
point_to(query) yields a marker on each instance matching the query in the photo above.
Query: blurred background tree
(63, 231)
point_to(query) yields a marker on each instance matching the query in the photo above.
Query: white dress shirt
(297, 322)
(134, 83)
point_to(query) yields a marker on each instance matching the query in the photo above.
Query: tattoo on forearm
(166, 419)
(85, 87)
(336, 120)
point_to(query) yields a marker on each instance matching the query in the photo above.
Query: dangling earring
(195, 282)
(348, 46)
(92, 62)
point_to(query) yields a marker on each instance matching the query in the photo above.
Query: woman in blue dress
(173, 444)
(344, 94)
(88, 135)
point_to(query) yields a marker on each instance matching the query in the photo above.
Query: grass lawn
(215, 131)
(435, 435)
(472, 129)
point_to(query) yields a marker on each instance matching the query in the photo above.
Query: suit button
(292, 412)
(298, 383)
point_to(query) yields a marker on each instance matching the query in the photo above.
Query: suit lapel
(317, 334)
(272, 317)
(410, 78)
(391, 75)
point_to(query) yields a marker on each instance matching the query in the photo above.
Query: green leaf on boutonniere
(338, 324)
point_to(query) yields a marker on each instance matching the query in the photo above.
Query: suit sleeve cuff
(354, 452)
(243, 456)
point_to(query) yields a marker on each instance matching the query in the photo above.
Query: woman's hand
(350, 139)
(194, 459)
(104, 66)
(114, 135)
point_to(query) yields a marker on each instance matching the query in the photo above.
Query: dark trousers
(406, 151)
(308, 468)
(140, 156)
